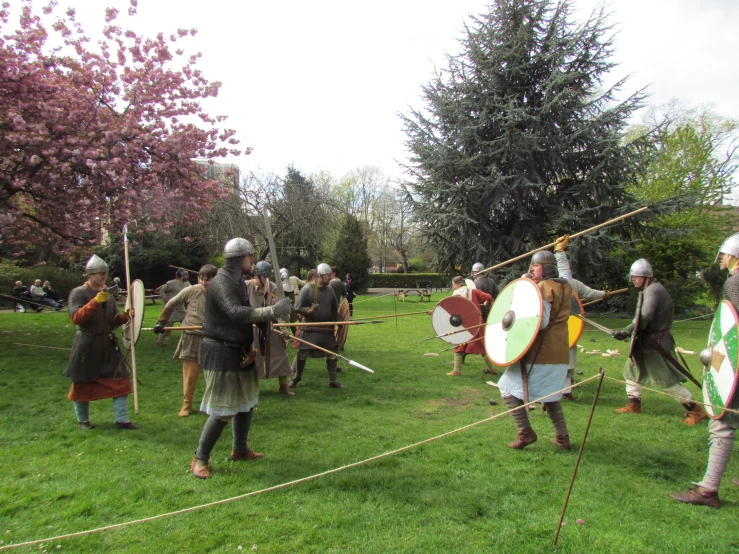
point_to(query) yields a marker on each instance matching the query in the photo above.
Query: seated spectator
(50, 292)
(39, 296)
(22, 293)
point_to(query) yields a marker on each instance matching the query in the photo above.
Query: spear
(454, 332)
(389, 316)
(131, 337)
(581, 233)
(612, 293)
(351, 362)
(296, 324)
(178, 267)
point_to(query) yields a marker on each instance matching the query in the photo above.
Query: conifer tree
(351, 252)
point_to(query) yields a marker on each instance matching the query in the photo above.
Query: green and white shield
(513, 322)
(720, 361)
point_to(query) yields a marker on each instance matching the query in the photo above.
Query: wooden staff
(351, 362)
(579, 455)
(278, 325)
(612, 293)
(178, 267)
(454, 332)
(581, 233)
(56, 347)
(389, 316)
(131, 337)
(463, 344)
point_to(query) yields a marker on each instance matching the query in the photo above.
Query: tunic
(648, 366)
(550, 350)
(279, 363)
(477, 297)
(92, 377)
(328, 309)
(168, 292)
(339, 288)
(487, 285)
(192, 299)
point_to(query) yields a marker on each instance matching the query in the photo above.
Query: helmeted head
(477, 268)
(641, 271)
(95, 265)
(262, 268)
(238, 255)
(543, 266)
(284, 274)
(728, 254)
(324, 271)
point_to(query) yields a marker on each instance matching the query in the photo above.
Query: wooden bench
(400, 294)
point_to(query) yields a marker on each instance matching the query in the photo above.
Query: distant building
(225, 173)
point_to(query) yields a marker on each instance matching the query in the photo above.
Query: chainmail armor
(657, 308)
(731, 290)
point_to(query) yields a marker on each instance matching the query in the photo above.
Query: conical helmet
(730, 247)
(235, 248)
(641, 268)
(95, 265)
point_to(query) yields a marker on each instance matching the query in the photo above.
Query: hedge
(406, 280)
(62, 280)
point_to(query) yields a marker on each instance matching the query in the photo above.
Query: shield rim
(581, 322)
(342, 331)
(730, 397)
(541, 315)
(449, 339)
(138, 316)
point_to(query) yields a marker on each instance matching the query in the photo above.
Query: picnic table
(423, 289)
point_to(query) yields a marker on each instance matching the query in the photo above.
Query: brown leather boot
(285, 390)
(523, 439)
(563, 441)
(695, 414)
(199, 468)
(237, 456)
(699, 496)
(633, 407)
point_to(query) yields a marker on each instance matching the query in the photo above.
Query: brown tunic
(279, 363)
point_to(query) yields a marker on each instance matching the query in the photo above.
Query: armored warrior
(96, 367)
(261, 295)
(192, 299)
(318, 303)
(583, 291)
(337, 284)
(227, 356)
(721, 431)
(168, 291)
(483, 281)
(481, 300)
(547, 358)
(653, 356)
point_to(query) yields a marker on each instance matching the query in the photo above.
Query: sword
(669, 357)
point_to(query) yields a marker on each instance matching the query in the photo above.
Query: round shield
(575, 325)
(513, 322)
(456, 313)
(135, 298)
(720, 358)
(342, 330)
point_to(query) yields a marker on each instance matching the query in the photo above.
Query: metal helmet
(324, 269)
(477, 267)
(283, 273)
(95, 265)
(262, 268)
(548, 263)
(641, 268)
(235, 248)
(730, 247)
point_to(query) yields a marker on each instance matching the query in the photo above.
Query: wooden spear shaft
(389, 316)
(454, 332)
(278, 325)
(132, 338)
(178, 267)
(613, 293)
(581, 233)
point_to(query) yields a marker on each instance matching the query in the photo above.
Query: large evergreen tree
(517, 142)
(351, 252)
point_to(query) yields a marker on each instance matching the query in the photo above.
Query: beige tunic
(192, 301)
(279, 363)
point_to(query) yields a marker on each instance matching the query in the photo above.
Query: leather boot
(298, 374)
(563, 441)
(190, 375)
(633, 407)
(523, 439)
(285, 390)
(237, 456)
(695, 414)
(331, 367)
(199, 468)
(699, 496)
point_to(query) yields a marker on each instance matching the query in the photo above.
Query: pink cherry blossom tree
(96, 136)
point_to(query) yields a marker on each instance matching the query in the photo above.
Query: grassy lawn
(464, 493)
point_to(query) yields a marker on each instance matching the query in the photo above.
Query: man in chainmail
(168, 291)
(721, 431)
(96, 367)
(227, 356)
(318, 303)
(583, 291)
(653, 346)
(483, 282)
(547, 358)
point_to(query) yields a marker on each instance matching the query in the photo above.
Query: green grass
(464, 493)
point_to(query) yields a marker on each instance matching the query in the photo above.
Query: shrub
(63, 280)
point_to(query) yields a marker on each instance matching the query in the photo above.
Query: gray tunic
(328, 308)
(87, 360)
(339, 288)
(168, 292)
(486, 284)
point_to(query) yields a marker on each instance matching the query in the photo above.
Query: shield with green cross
(513, 322)
(719, 361)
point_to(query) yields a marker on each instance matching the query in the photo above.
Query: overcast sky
(319, 84)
